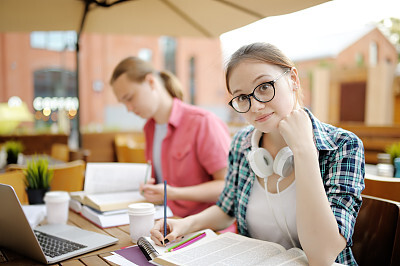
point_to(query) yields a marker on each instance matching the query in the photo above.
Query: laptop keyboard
(54, 246)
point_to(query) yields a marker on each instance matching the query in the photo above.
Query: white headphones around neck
(262, 163)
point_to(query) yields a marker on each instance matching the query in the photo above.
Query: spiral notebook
(146, 250)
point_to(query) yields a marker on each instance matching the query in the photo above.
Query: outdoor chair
(376, 238)
(60, 152)
(16, 180)
(382, 187)
(69, 176)
(130, 148)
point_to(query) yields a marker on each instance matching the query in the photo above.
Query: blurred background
(56, 82)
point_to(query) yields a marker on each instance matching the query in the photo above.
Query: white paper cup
(141, 219)
(57, 203)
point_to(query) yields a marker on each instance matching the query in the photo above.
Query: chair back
(16, 180)
(376, 238)
(69, 176)
(130, 148)
(382, 187)
(60, 152)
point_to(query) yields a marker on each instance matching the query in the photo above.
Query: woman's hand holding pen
(176, 228)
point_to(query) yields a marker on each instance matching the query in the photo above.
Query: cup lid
(141, 208)
(56, 196)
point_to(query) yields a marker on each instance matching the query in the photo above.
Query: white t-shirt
(260, 219)
(159, 134)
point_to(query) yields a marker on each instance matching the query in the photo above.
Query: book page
(226, 249)
(112, 177)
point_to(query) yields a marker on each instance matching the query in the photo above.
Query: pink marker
(189, 241)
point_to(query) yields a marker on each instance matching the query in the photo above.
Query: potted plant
(394, 151)
(13, 148)
(38, 177)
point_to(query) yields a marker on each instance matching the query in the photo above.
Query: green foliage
(393, 150)
(38, 174)
(13, 147)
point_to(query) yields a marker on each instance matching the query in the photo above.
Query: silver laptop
(16, 234)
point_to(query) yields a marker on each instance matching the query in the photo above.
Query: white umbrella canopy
(190, 18)
(207, 18)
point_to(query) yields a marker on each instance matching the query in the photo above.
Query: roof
(327, 45)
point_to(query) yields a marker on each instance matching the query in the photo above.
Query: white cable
(272, 209)
(284, 216)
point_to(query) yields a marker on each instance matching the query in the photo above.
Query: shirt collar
(323, 139)
(176, 112)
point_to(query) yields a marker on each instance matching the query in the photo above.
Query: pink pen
(189, 241)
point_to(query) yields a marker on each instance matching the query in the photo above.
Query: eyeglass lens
(262, 93)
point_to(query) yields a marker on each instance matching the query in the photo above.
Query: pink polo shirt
(196, 145)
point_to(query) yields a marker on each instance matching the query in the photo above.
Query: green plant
(38, 174)
(13, 148)
(393, 150)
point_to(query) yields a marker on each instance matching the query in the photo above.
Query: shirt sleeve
(213, 142)
(344, 182)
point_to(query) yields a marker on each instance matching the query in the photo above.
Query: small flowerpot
(36, 195)
(12, 158)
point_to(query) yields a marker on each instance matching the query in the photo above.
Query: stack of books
(109, 189)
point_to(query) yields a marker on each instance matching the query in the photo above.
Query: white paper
(117, 259)
(34, 213)
(112, 177)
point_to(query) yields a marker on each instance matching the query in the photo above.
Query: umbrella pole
(87, 3)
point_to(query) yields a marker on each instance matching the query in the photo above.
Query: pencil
(165, 208)
(146, 177)
(187, 242)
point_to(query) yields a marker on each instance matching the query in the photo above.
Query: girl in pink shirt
(187, 145)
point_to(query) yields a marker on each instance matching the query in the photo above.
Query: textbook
(143, 252)
(117, 217)
(229, 249)
(112, 186)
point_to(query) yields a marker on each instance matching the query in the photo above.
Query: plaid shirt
(341, 161)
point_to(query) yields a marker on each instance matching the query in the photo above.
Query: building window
(373, 54)
(359, 59)
(168, 45)
(55, 98)
(54, 40)
(192, 80)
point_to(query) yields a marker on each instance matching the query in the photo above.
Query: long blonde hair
(137, 69)
(262, 52)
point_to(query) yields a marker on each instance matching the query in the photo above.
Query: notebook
(16, 234)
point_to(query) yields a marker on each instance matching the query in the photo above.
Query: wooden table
(93, 258)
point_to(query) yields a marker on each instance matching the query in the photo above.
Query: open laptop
(16, 234)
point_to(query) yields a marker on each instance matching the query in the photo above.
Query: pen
(147, 172)
(187, 242)
(165, 208)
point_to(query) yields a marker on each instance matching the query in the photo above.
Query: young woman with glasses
(291, 179)
(186, 145)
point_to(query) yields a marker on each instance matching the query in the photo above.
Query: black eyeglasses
(263, 93)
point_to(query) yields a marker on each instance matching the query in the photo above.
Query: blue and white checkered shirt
(341, 161)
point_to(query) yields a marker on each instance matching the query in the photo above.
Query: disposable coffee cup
(57, 204)
(141, 219)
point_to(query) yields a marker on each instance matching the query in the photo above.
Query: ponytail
(172, 84)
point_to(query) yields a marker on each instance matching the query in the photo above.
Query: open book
(232, 249)
(112, 186)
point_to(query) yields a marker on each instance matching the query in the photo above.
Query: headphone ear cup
(284, 162)
(261, 162)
